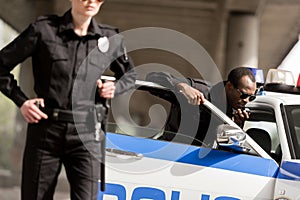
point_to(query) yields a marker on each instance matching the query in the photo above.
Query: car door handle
(123, 154)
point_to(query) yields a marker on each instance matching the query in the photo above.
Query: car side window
(293, 120)
(262, 128)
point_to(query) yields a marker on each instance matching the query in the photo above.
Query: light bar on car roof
(280, 76)
(279, 80)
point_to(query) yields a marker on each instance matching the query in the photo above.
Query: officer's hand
(240, 116)
(194, 96)
(31, 113)
(106, 89)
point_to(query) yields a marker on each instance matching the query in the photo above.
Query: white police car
(263, 166)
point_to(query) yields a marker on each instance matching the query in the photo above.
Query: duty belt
(66, 115)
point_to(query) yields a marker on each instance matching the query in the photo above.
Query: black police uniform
(65, 67)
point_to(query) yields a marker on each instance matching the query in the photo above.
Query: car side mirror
(231, 138)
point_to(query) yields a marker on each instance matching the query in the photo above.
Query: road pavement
(10, 186)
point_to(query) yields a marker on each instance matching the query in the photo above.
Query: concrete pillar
(242, 42)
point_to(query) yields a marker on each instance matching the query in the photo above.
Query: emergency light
(279, 76)
(259, 75)
(279, 80)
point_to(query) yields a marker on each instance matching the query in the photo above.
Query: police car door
(288, 182)
(276, 128)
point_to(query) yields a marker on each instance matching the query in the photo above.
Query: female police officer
(60, 47)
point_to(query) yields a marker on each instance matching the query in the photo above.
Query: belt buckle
(55, 114)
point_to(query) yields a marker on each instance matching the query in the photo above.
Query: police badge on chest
(103, 44)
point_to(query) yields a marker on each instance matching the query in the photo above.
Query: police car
(260, 162)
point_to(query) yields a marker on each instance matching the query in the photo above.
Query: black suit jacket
(188, 123)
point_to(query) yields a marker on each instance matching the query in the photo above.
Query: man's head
(240, 87)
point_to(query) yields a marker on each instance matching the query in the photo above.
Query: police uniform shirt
(57, 53)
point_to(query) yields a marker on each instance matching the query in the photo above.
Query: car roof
(278, 97)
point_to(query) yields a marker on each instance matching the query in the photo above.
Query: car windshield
(293, 121)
